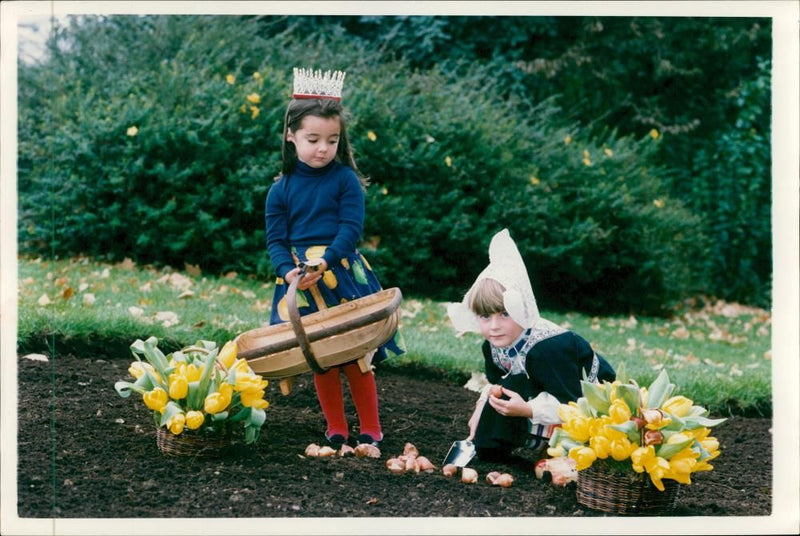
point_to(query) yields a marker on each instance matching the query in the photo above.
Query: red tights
(365, 398)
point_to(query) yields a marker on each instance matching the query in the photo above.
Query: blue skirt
(347, 280)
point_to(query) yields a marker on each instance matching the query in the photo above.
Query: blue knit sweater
(314, 207)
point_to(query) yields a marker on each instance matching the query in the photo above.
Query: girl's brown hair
(486, 298)
(297, 110)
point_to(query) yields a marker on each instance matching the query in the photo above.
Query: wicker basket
(624, 493)
(192, 445)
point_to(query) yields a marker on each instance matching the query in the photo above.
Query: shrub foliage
(157, 138)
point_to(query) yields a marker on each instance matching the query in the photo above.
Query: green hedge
(134, 142)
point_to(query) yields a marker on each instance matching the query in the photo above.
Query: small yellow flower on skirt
(155, 399)
(194, 419)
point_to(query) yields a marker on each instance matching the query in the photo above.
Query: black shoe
(336, 441)
(368, 440)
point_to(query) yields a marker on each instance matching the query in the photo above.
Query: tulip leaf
(596, 395)
(244, 414)
(676, 423)
(221, 416)
(585, 407)
(667, 451)
(257, 417)
(659, 390)
(205, 378)
(630, 394)
(629, 428)
(123, 388)
(171, 409)
(692, 423)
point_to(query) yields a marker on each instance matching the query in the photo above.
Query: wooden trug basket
(350, 331)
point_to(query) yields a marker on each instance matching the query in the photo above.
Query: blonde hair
(486, 298)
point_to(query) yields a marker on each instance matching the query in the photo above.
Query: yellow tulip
(655, 419)
(156, 399)
(193, 373)
(241, 366)
(657, 468)
(176, 423)
(678, 406)
(674, 439)
(601, 446)
(194, 419)
(178, 386)
(214, 403)
(249, 383)
(621, 448)
(711, 445)
(682, 465)
(577, 428)
(584, 457)
(619, 411)
(254, 399)
(556, 452)
(228, 354)
(641, 456)
(217, 402)
(138, 368)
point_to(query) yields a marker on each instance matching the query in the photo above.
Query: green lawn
(719, 354)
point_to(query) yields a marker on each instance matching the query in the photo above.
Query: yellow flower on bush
(176, 423)
(371, 135)
(230, 79)
(156, 399)
(194, 419)
(253, 98)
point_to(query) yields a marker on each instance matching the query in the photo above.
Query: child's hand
(310, 278)
(515, 406)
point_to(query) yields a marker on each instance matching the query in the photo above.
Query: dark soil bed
(84, 452)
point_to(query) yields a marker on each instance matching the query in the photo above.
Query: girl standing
(315, 212)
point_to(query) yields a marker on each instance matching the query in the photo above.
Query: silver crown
(310, 84)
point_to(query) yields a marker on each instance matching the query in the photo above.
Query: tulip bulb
(449, 469)
(312, 450)
(326, 451)
(411, 464)
(496, 390)
(491, 477)
(469, 475)
(396, 466)
(425, 464)
(410, 450)
(346, 450)
(365, 450)
(504, 480)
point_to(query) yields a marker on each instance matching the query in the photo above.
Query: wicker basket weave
(620, 493)
(193, 445)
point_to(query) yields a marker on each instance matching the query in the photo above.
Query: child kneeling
(532, 365)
